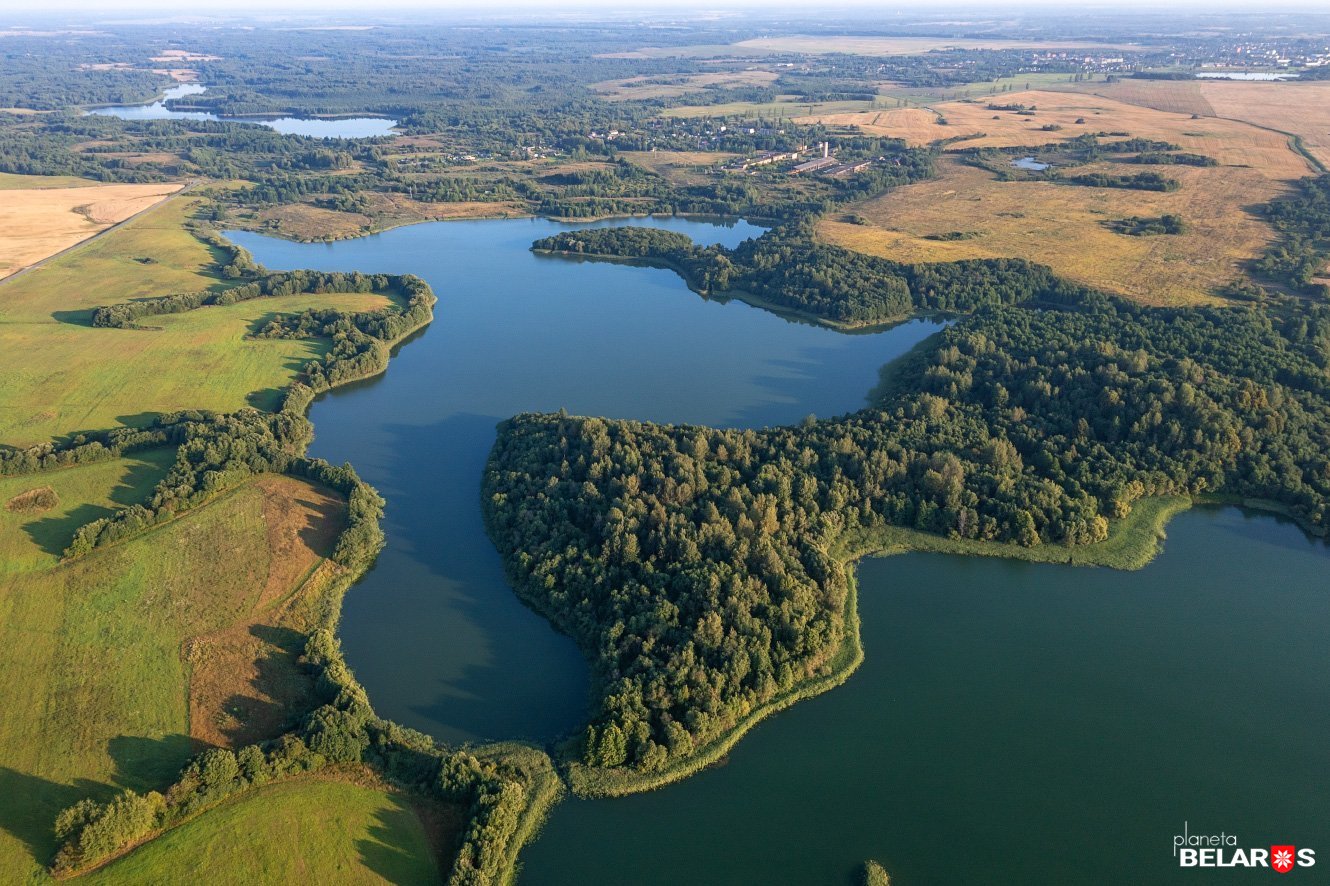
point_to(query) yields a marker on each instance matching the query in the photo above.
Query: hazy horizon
(172, 9)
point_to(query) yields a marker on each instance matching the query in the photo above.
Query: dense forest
(1303, 220)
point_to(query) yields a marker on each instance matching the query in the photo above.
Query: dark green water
(1018, 723)
(1012, 723)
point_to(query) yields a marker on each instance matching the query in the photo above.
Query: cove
(434, 632)
(316, 127)
(1018, 723)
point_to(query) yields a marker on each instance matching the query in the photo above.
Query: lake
(1012, 723)
(434, 632)
(1030, 164)
(318, 127)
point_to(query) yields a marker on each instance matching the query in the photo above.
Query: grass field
(307, 223)
(32, 540)
(1232, 143)
(679, 167)
(12, 181)
(303, 831)
(96, 683)
(782, 108)
(1302, 109)
(60, 375)
(1064, 226)
(38, 222)
(675, 85)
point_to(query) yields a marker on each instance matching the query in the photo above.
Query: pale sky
(101, 9)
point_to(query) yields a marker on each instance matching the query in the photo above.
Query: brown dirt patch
(246, 682)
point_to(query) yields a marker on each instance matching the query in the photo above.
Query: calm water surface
(1030, 164)
(434, 632)
(1018, 724)
(1013, 723)
(342, 127)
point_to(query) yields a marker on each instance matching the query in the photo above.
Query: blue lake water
(318, 127)
(1012, 723)
(434, 632)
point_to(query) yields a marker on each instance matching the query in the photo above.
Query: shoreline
(1135, 541)
(512, 216)
(728, 295)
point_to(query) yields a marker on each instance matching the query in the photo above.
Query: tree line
(786, 267)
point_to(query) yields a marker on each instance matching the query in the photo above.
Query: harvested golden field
(36, 223)
(1301, 109)
(675, 85)
(905, 45)
(1232, 143)
(1175, 96)
(1063, 226)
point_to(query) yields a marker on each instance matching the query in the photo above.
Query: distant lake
(1030, 164)
(1234, 75)
(318, 127)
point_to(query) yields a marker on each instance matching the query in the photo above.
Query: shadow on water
(438, 597)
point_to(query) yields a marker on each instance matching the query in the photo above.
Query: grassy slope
(10, 181)
(61, 376)
(1133, 542)
(93, 684)
(303, 831)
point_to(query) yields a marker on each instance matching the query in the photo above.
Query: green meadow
(302, 831)
(62, 376)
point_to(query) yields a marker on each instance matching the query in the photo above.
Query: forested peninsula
(703, 571)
